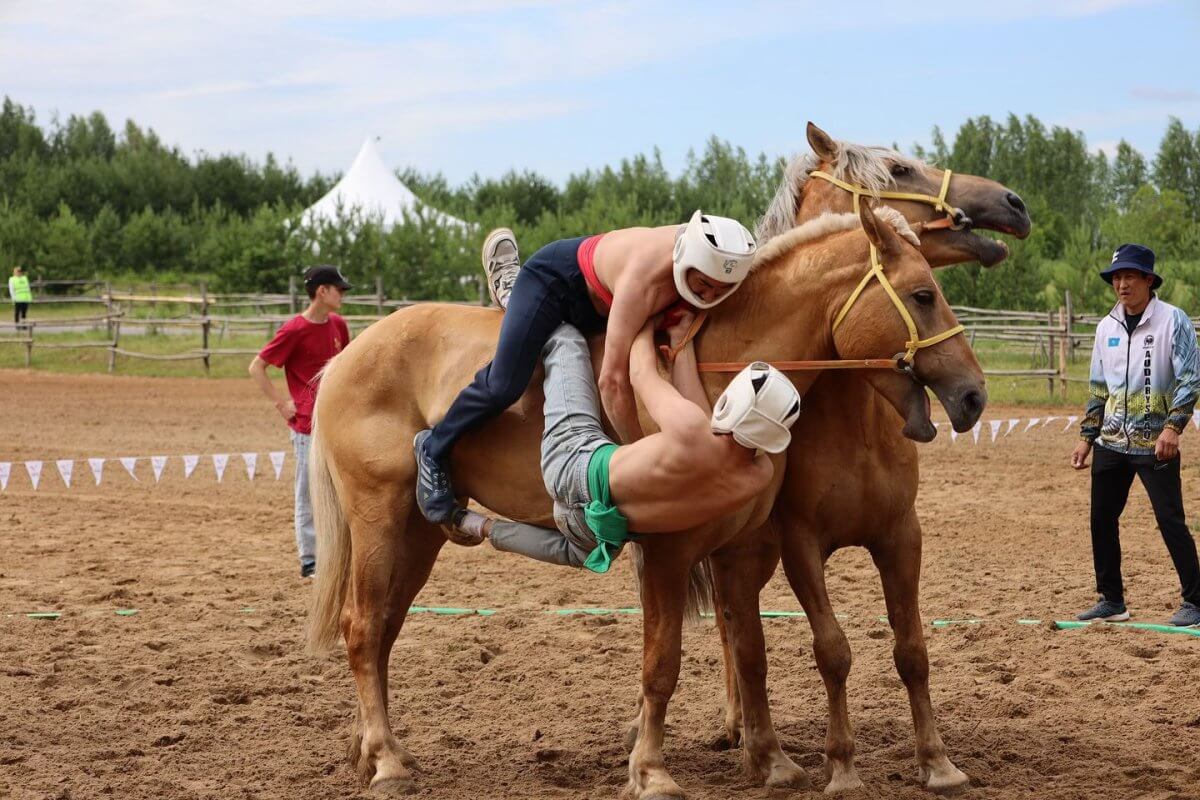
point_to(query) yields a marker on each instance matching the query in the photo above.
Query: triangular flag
(219, 462)
(953, 435)
(189, 465)
(277, 462)
(251, 460)
(1032, 422)
(97, 465)
(158, 462)
(5, 471)
(1012, 423)
(975, 431)
(65, 467)
(995, 428)
(129, 462)
(1196, 418)
(34, 468)
(1051, 419)
(1070, 422)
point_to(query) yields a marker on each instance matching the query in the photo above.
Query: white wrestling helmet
(719, 247)
(759, 408)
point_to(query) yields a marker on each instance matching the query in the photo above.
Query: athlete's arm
(630, 310)
(283, 403)
(685, 372)
(663, 402)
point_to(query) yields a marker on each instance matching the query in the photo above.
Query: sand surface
(205, 692)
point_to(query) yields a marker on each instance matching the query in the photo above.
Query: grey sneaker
(501, 263)
(1188, 616)
(1105, 611)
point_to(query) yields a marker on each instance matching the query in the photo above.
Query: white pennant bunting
(1051, 419)
(1031, 424)
(1070, 421)
(158, 462)
(189, 465)
(1012, 423)
(97, 466)
(953, 435)
(277, 462)
(995, 428)
(975, 431)
(34, 468)
(1196, 419)
(5, 471)
(251, 460)
(219, 462)
(65, 467)
(129, 463)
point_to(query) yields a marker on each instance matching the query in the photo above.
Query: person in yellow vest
(18, 290)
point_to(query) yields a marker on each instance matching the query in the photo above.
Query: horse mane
(866, 165)
(825, 225)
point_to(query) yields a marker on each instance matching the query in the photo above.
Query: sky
(467, 87)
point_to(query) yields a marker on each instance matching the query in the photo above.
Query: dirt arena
(206, 692)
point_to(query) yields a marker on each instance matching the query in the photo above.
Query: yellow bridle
(915, 342)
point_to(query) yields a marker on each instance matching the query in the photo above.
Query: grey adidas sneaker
(1104, 611)
(1188, 616)
(501, 263)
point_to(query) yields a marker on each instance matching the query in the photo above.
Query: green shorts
(605, 520)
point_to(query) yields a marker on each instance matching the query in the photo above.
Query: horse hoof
(394, 787)
(843, 783)
(789, 780)
(945, 781)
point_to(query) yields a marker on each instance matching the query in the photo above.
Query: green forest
(80, 199)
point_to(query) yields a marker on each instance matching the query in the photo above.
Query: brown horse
(832, 497)
(376, 551)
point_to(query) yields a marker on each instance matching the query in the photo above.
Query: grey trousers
(306, 532)
(573, 432)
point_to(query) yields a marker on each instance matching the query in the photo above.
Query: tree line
(79, 199)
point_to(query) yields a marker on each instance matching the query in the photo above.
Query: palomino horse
(376, 551)
(846, 438)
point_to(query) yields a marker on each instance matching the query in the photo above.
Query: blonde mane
(865, 165)
(825, 225)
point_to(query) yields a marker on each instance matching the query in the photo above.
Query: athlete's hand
(1167, 446)
(1080, 455)
(286, 409)
(678, 323)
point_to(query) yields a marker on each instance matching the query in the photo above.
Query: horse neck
(784, 311)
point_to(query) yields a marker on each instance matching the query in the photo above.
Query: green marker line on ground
(125, 612)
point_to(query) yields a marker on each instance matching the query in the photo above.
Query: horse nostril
(1016, 202)
(973, 403)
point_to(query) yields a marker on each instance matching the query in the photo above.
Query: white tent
(371, 189)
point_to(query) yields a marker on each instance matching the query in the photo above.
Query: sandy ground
(206, 692)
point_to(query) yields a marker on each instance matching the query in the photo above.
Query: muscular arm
(664, 403)
(685, 375)
(631, 308)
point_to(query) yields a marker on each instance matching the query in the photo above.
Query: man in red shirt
(301, 347)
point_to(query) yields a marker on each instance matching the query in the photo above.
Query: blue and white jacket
(1141, 382)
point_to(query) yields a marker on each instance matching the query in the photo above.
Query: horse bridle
(955, 219)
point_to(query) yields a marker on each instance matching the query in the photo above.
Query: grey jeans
(306, 533)
(573, 432)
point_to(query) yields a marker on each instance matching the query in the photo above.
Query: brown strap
(802, 366)
(669, 353)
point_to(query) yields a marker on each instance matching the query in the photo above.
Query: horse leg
(733, 698)
(664, 591)
(899, 562)
(389, 566)
(739, 573)
(804, 566)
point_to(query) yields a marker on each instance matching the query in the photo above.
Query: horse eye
(924, 297)
(900, 170)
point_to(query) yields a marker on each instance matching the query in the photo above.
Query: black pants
(550, 290)
(1112, 475)
(20, 312)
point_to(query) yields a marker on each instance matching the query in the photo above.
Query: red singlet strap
(587, 265)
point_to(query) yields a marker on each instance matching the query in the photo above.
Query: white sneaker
(501, 263)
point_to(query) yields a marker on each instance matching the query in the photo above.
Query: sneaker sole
(1123, 617)
(488, 242)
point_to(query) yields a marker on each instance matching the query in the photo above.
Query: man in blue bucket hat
(1144, 382)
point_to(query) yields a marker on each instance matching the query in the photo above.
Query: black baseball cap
(1132, 256)
(326, 275)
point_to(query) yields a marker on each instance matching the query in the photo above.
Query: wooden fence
(1051, 338)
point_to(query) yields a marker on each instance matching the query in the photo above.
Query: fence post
(1063, 347)
(1070, 305)
(112, 347)
(28, 341)
(204, 322)
(379, 295)
(291, 294)
(108, 308)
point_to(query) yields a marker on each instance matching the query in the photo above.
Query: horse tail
(699, 592)
(333, 549)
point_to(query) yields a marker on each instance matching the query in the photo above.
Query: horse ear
(880, 234)
(822, 143)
